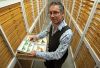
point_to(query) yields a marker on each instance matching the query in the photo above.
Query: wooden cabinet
(5, 54)
(13, 24)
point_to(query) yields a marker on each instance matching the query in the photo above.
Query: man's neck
(56, 25)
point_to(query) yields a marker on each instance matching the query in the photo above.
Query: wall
(17, 19)
(83, 18)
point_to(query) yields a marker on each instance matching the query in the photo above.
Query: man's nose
(52, 15)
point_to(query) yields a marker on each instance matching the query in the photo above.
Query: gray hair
(61, 7)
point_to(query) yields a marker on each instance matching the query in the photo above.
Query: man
(59, 37)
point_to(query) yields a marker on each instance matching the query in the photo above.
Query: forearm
(53, 55)
(42, 34)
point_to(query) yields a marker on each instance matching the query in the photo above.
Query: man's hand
(33, 37)
(33, 53)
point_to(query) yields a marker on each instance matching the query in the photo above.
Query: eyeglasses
(54, 13)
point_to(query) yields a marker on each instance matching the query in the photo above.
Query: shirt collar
(61, 25)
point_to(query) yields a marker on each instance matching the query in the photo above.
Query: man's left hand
(33, 53)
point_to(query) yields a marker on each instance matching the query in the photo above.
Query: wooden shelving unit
(16, 19)
(84, 21)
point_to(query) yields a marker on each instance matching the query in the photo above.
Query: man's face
(55, 14)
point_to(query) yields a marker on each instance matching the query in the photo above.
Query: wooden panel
(15, 10)
(1, 39)
(35, 8)
(40, 4)
(5, 17)
(34, 31)
(12, 38)
(75, 40)
(84, 13)
(69, 5)
(8, 24)
(22, 36)
(13, 27)
(21, 31)
(41, 20)
(16, 44)
(10, 29)
(37, 27)
(72, 26)
(79, 62)
(5, 54)
(93, 34)
(67, 18)
(6, 12)
(28, 9)
(65, 3)
(84, 58)
(21, 28)
(76, 8)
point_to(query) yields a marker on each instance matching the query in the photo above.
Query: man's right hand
(32, 37)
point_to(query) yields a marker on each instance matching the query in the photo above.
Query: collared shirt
(63, 46)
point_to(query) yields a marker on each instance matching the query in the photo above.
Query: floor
(67, 64)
